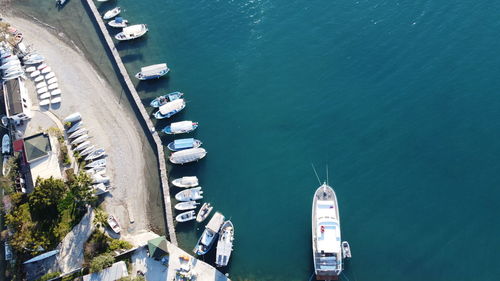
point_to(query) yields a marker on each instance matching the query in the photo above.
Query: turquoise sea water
(399, 98)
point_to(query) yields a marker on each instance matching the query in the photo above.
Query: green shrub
(130, 278)
(117, 244)
(49, 276)
(101, 262)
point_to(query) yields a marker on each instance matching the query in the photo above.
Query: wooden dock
(131, 89)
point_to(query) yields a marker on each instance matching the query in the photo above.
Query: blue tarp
(183, 143)
(118, 19)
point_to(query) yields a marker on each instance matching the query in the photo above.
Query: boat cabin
(183, 143)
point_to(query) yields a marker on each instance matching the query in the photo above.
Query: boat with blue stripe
(161, 100)
(170, 108)
(152, 71)
(182, 144)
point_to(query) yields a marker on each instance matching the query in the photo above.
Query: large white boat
(225, 244)
(189, 181)
(191, 194)
(152, 71)
(187, 155)
(326, 243)
(132, 32)
(209, 235)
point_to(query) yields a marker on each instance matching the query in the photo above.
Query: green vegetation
(101, 262)
(99, 243)
(130, 278)
(49, 276)
(7, 182)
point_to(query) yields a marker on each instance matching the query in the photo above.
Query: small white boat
(87, 150)
(52, 80)
(111, 13)
(186, 182)
(6, 144)
(100, 178)
(191, 194)
(118, 22)
(169, 109)
(56, 100)
(46, 70)
(204, 212)
(10, 64)
(42, 90)
(41, 66)
(346, 250)
(186, 216)
(113, 223)
(44, 96)
(44, 102)
(10, 58)
(30, 69)
(80, 139)
(132, 32)
(41, 85)
(56, 92)
(50, 75)
(34, 73)
(78, 133)
(39, 78)
(189, 205)
(35, 59)
(82, 146)
(96, 164)
(152, 71)
(53, 86)
(95, 154)
(73, 117)
(188, 155)
(75, 127)
(180, 127)
(209, 235)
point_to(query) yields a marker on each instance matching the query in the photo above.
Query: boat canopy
(189, 180)
(153, 69)
(215, 222)
(133, 30)
(187, 155)
(118, 19)
(171, 106)
(181, 126)
(183, 143)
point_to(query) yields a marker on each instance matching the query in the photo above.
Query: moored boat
(187, 155)
(170, 108)
(327, 251)
(132, 32)
(182, 144)
(186, 216)
(205, 210)
(188, 205)
(180, 127)
(225, 244)
(209, 235)
(161, 100)
(186, 182)
(112, 13)
(118, 22)
(191, 194)
(6, 144)
(346, 250)
(113, 223)
(152, 71)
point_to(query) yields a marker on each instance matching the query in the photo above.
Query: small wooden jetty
(159, 147)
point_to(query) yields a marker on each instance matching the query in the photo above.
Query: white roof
(329, 240)
(153, 69)
(181, 126)
(171, 106)
(215, 222)
(113, 273)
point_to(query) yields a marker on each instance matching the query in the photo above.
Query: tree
(49, 276)
(81, 187)
(46, 195)
(100, 218)
(101, 262)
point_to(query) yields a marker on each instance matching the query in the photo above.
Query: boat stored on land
(6, 144)
(112, 13)
(186, 182)
(187, 155)
(182, 144)
(180, 127)
(82, 146)
(80, 139)
(209, 235)
(225, 244)
(113, 223)
(95, 154)
(78, 132)
(97, 164)
(152, 71)
(75, 127)
(327, 251)
(205, 210)
(186, 216)
(73, 117)
(188, 205)
(118, 22)
(191, 194)
(132, 32)
(170, 108)
(161, 100)
(87, 150)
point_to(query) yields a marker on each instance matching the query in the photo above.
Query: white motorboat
(75, 127)
(44, 96)
(187, 155)
(186, 182)
(118, 22)
(55, 92)
(39, 78)
(346, 250)
(112, 13)
(95, 154)
(82, 146)
(6, 144)
(132, 32)
(188, 205)
(186, 216)
(225, 244)
(326, 242)
(204, 212)
(42, 90)
(180, 127)
(53, 86)
(113, 223)
(78, 133)
(74, 117)
(191, 194)
(87, 150)
(50, 75)
(96, 164)
(209, 235)
(169, 109)
(41, 85)
(44, 102)
(152, 71)
(80, 139)
(52, 80)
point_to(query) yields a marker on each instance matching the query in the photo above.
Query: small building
(158, 248)
(116, 271)
(17, 101)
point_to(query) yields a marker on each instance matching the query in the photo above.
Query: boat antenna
(327, 174)
(314, 169)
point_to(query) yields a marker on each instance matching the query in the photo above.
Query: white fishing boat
(95, 154)
(191, 194)
(132, 32)
(73, 117)
(209, 235)
(204, 212)
(170, 108)
(118, 22)
(182, 144)
(113, 223)
(112, 13)
(186, 216)
(152, 71)
(42, 90)
(39, 78)
(346, 250)
(225, 244)
(186, 182)
(189, 205)
(41, 85)
(56, 100)
(44, 102)
(52, 80)
(6, 144)
(44, 96)
(326, 242)
(78, 133)
(82, 146)
(80, 139)
(181, 127)
(53, 86)
(188, 155)
(55, 92)
(75, 127)
(50, 75)
(87, 150)
(96, 164)
(161, 100)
